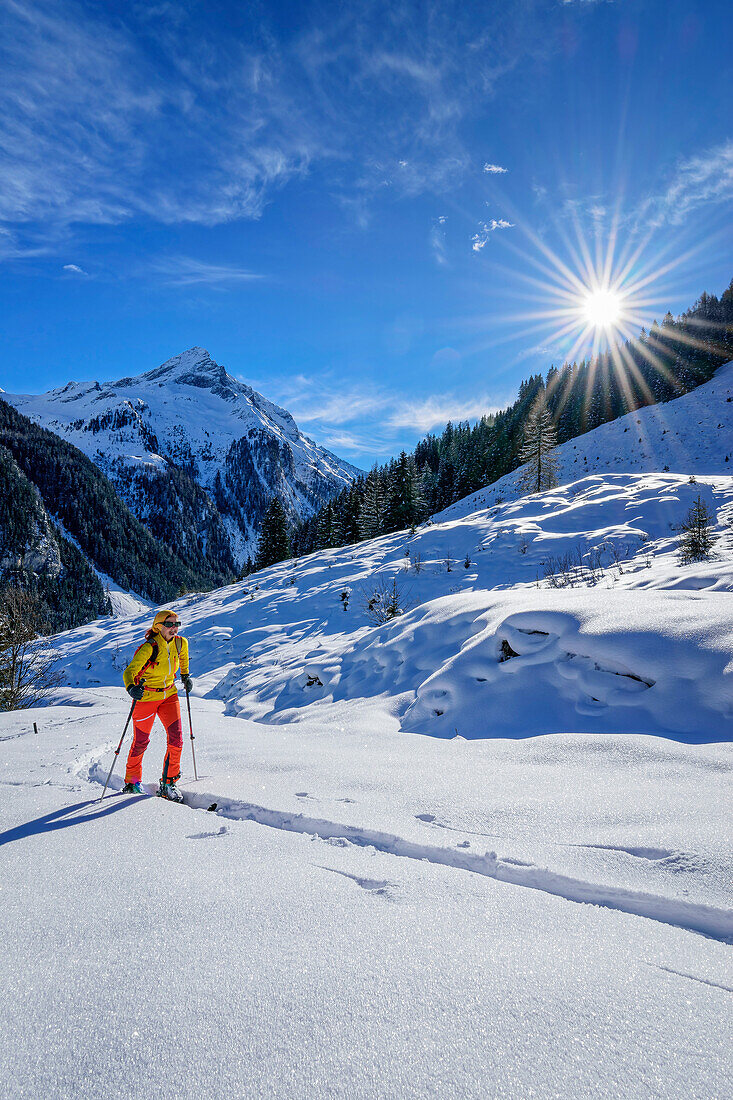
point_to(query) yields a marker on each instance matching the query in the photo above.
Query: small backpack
(154, 655)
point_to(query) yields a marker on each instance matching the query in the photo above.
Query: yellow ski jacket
(158, 673)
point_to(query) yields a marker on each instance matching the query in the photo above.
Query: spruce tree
(371, 520)
(405, 499)
(325, 525)
(274, 544)
(696, 540)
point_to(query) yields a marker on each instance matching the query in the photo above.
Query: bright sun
(602, 308)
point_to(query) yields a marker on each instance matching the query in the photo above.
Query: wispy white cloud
(437, 241)
(186, 271)
(12, 249)
(116, 134)
(549, 351)
(332, 410)
(495, 169)
(345, 443)
(436, 410)
(487, 228)
(702, 180)
(588, 208)
(74, 269)
(324, 398)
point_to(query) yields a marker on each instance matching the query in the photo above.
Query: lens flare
(590, 294)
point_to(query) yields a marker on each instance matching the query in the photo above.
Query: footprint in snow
(378, 887)
(652, 854)
(208, 836)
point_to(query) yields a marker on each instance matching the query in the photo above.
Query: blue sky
(379, 214)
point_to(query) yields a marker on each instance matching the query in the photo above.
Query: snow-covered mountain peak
(196, 368)
(192, 414)
(193, 367)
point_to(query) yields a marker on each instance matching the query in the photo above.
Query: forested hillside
(671, 359)
(35, 556)
(41, 474)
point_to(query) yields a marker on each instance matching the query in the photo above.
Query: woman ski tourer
(150, 681)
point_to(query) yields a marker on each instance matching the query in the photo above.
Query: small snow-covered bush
(384, 601)
(27, 663)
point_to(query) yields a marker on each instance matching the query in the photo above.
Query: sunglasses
(170, 623)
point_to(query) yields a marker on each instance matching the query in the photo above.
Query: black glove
(187, 682)
(136, 691)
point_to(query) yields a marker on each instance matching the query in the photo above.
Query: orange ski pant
(144, 714)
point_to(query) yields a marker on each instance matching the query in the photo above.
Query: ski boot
(133, 788)
(170, 791)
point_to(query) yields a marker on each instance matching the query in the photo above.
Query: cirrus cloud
(177, 120)
(705, 179)
(187, 271)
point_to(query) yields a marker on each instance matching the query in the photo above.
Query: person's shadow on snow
(69, 815)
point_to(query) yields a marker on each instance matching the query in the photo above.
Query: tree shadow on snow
(68, 816)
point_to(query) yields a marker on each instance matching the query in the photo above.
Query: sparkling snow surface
(403, 891)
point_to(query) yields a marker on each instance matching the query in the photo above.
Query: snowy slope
(618, 633)
(692, 434)
(237, 445)
(544, 918)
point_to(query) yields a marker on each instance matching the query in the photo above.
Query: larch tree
(538, 450)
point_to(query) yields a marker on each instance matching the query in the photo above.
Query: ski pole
(190, 729)
(117, 750)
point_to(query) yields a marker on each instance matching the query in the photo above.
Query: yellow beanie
(161, 617)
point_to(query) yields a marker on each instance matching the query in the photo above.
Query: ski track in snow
(692, 977)
(707, 920)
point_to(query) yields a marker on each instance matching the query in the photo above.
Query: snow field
(279, 963)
